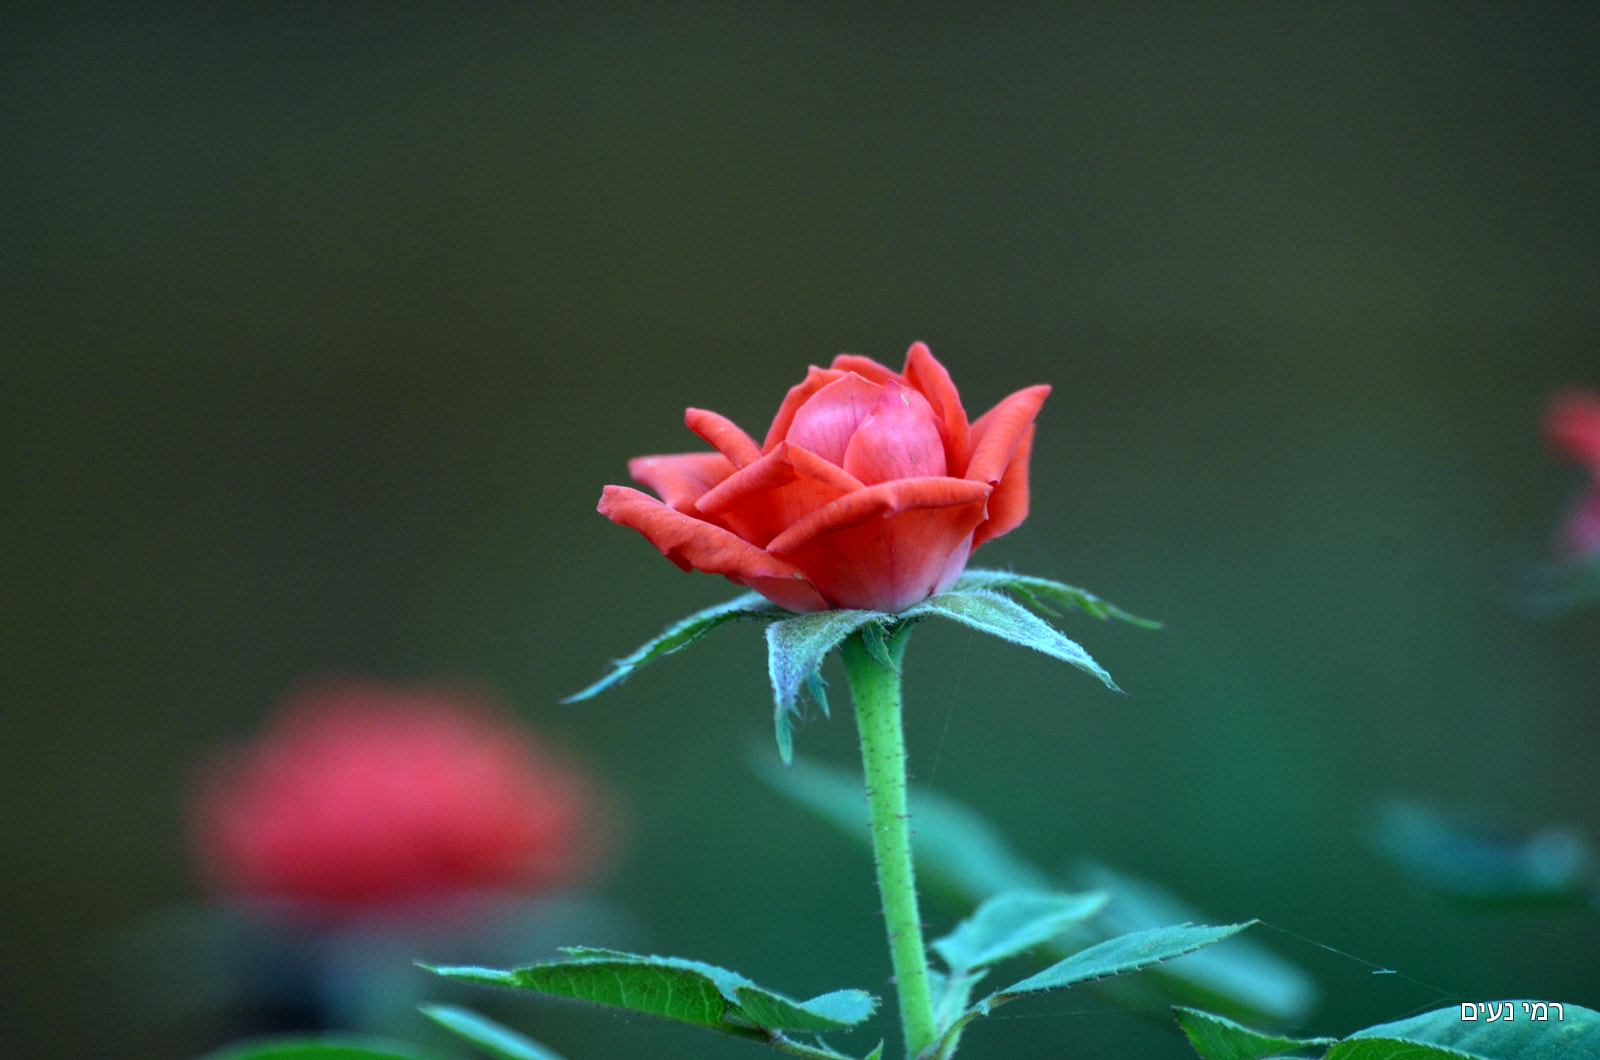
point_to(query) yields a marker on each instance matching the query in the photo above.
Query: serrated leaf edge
(1029, 586)
(1067, 650)
(1180, 1012)
(727, 983)
(689, 629)
(1005, 994)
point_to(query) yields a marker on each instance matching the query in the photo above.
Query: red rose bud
(1572, 430)
(870, 490)
(363, 797)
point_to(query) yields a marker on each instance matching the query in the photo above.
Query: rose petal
(1008, 504)
(1572, 425)
(929, 377)
(693, 544)
(785, 485)
(825, 423)
(996, 433)
(802, 392)
(680, 479)
(867, 369)
(900, 438)
(795, 593)
(724, 435)
(887, 546)
(886, 498)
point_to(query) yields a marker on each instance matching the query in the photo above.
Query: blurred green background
(320, 331)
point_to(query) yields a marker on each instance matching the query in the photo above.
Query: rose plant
(851, 523)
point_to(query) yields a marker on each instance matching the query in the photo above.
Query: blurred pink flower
(1572, 430)
(363, 797)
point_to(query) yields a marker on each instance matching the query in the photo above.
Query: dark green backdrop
(320, 332)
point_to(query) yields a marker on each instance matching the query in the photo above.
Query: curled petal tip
(869, 491)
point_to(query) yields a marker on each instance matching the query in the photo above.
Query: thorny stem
(876, 691)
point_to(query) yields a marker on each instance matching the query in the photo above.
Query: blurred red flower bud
(870, 490)
(362, 797)
(1572, 430)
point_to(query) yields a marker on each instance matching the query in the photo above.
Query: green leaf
(677, 989)
(1118, 956)
(1040, 592)
(1466, 861)
(950, 996)
(1012, 923)
(1005, 618)
(317, 1047)
(1218, 1038)
(497, 1040)
(965, 854)
(682, 634)
(1239, 976)
(1443, 1035)
(826, 1012)
(796, 647)
(680, 993)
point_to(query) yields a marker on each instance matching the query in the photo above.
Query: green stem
(875, 688)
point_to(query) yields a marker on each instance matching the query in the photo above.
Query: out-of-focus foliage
(960, 850)
(1469, 861)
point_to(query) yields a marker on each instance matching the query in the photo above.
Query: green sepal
(317, 1047)
(1012, 923)
(1219, 1038)
(817, 689)
(990, 612)
(798, 644)
(1443, 1035)
(1040, 593)
(1469, 862)
(680, 635)
(796, 647)
(497, 1040)
(676, 989)
(873, 636)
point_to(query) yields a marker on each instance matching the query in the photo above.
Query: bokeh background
(320, 331)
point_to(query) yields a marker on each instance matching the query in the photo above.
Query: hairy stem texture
(876, 691)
